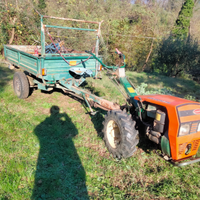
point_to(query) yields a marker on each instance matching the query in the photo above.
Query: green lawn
(51, 148)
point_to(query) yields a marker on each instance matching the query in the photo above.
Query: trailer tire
(120, 134)
(21, 85)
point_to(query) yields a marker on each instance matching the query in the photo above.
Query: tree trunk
(12, 36)
(2, 52)
(151, 48)
(178, 72)
(17, 7)
(13, 30)
(6, 4)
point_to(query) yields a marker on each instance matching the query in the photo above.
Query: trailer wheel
(21, 85)
(120, 135)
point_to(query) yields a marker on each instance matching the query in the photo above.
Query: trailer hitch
(88, 104)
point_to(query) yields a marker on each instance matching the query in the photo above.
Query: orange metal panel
(188, 107)
(193, 139)
(175, 110)
(189, 118)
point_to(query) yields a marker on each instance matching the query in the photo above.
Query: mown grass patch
(50, 148)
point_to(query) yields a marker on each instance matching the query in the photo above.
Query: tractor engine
(173, 123)
(155, 129)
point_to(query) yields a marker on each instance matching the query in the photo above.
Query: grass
(146, 83)
(50, 148)
(184, 88)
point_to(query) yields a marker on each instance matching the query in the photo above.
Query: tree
(175, 56)
(183, 21)
(41, 5)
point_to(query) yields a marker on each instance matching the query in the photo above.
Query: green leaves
(41, 4)
(177, 55)
(182, 25)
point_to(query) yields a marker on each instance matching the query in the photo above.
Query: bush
(143, 90)
(176, 56)
(22, 22)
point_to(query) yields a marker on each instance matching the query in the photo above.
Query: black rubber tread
(23, 82)
(128, 134)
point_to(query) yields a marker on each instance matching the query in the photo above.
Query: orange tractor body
(182, 115)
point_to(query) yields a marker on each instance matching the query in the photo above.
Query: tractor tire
(120, 135)
(21, 85)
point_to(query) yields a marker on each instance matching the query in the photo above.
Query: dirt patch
(98, 148)
(34, 95)
(67, 102)
(45, 111)
(62, 101)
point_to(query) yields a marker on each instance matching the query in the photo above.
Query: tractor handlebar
(109, 67)
(118, 52)
(120, 55)
(88, 52)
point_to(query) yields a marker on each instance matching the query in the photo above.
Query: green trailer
(66, 71)
(50, 69)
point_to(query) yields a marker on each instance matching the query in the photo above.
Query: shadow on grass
(97, 120)
(144, 143)
(163, 186)
(59, 173)
(5, 76)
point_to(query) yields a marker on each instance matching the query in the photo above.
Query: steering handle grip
(118, 52)
(88, 52)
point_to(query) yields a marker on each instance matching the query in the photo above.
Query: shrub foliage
(183, 21)
(176, 56)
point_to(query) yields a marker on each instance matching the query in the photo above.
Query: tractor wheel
(21, 85)
(120, 135)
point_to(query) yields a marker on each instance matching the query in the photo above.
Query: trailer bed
(56, 68)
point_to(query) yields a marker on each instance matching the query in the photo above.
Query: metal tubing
(42, 38)
(97, 49)
(96, 54)
(186, 163)
(101, 107)
(104, 104)
(132, 84)
(87, 103)
(68, 19)
(127, 86)
(71, 28)
(114, 82)
(71, 93)
(108, 67)
(96, 105)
